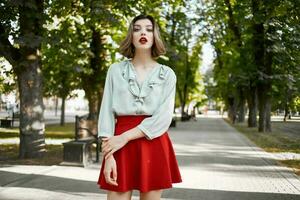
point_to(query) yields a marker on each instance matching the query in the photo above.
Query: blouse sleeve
(106, 119)
(161, 119)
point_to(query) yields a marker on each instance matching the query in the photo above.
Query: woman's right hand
(110, 166)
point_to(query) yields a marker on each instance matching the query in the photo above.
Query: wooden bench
(8, 122)
(185, 117)
(78, 152)
(173, 122)
(16, 116)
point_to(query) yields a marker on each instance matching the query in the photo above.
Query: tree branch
(233, 24)
(10, 53)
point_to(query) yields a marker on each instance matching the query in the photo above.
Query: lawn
(276, 141)
(9, 155)
(53, 155)
(52, 131)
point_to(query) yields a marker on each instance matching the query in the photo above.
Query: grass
(53, 155)
(275, 141)
(295, 164)
(9, 155)
(271, 142)
(52, 131)
(57, 131)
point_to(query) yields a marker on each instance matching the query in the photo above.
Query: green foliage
(7, 78)
(68, 49)
(234, 65)
(184, 49)
(286, 51)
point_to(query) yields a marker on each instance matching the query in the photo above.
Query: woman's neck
(143, 57)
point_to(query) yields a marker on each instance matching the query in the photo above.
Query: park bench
(16, 116)
(173, 122)
(79, 152)
(185, 117)
(8, 121)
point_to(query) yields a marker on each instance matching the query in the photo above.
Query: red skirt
(142, 164)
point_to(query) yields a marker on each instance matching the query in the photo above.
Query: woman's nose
(143, 31)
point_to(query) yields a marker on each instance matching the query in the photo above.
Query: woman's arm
(110, 167)
(160, 121)
(112, 144)
(106, 119)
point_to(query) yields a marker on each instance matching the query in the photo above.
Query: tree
(183, 52)
(256, 54)
(88, 32)
(23, 21)
(64, 52)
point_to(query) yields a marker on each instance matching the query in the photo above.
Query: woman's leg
(119, 195)
(151, 195)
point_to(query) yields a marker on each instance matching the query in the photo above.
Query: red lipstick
(143, 40)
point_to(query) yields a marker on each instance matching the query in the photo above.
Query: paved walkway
(216, 163)
(50, 116)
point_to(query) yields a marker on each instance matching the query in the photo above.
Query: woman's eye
(150, 30)
(136, 29)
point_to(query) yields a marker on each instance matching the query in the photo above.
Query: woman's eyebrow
(140, 25)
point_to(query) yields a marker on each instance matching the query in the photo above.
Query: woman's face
(143, 34)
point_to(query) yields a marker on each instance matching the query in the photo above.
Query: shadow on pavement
(52, 183)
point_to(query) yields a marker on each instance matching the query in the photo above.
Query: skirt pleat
(142, 164)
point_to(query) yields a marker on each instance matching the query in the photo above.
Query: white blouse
(123, 95)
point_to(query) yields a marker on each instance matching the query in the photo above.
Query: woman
(136, 111)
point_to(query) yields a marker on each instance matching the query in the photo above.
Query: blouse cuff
(147, 133)
(104, 134)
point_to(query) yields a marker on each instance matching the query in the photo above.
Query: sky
(207, 57)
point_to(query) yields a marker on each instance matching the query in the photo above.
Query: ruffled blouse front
(124, 95)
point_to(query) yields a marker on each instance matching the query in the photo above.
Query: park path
(216, 162)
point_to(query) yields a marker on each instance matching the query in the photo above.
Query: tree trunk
(252, 106)
(56, 105)
(232, 23)
(62, 113)
(91, 82)
(184, 100)
(264, 106)
(32, 125)
(232, 109)
(286, 112)
(263, 62)
(267, 70)
(268, 115)
(241, 106)
(182, 111)
(266, 97)
(94, 101)
(187, 73)
(287, 99)
(182, 103)
(241, 112)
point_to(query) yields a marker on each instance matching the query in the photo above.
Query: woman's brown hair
(158, 48)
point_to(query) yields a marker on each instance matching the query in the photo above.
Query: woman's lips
(143, 40)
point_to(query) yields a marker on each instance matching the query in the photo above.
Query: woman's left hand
(113, 144)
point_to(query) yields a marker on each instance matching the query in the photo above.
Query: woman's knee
(111, 195)
(151, 195)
